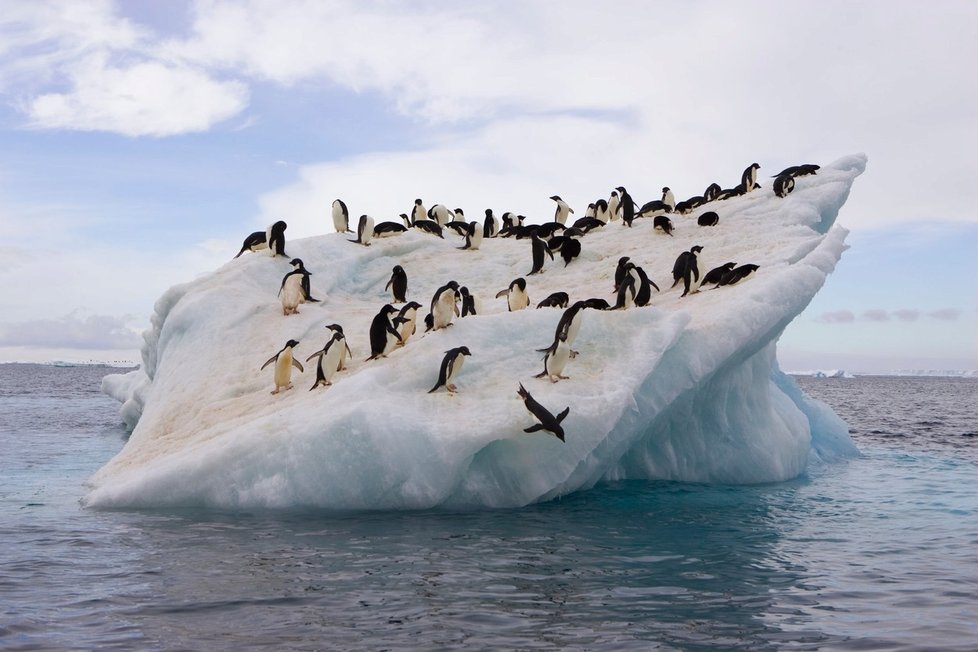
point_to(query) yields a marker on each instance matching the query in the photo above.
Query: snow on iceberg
(686, 389)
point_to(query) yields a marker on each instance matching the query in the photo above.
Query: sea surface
(879, 552)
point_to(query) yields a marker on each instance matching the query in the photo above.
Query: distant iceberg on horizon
(686, 389)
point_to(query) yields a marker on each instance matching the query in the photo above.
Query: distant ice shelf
(686, 389)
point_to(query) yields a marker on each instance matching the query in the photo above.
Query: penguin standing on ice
(397, 284)
(451, 364)
(469, 306)
(346, 353)
(547, 421)
(614, 204)
(627, 206)
(563, 210)
(295, 288)
(341, 217)
(539, 250)
(444, 305)
(418, 212)
(365, 230)
(383, 337)
(490, 227)
(473, 237)
(439, 213)
(748, 180)
(643, 286)
(275, 237)
(516, 296)
(687, 269)
(621, 271)
(284, 361)
(329, 360)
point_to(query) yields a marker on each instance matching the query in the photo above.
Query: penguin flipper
(297, 364)
(535, 427)
(502, 293)
(434, 389)
(270, 361)
(562, 415)
(317, 353)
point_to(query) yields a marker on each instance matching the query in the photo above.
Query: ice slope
(687, 389)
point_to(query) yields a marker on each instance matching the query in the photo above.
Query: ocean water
(879, 552)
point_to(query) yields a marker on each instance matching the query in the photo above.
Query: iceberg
(685, 389)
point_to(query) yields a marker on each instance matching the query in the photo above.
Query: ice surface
(686, 389)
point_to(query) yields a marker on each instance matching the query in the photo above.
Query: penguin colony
(392, 327)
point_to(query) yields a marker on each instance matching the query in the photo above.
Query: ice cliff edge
(685, 389)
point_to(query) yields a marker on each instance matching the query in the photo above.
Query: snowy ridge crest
(685, 389)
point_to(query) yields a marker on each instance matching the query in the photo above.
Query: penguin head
(417, 202)
(398, 269)
(519, 282)
(695, 249)
(623, 260)
(621, 189)
(296, 262)
(387, 309)
(464, 350)
(335, 327)
(665, 189)
(488, 212)
(409, 305)
(459, 211)
(279, 226)
(452, 285)
(556, 198)
(291, 344)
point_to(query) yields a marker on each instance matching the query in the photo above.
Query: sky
(141, 141)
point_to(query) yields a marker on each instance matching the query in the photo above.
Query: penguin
(418, 212)
(473, 237)
(284, 361)
(451, 364)
(460, 228)
(444, 305)
(458, 215)
(621, 270)
(686, 207)
(406, 321)
(562, 211)
(556, 359)
(643, 286)
(737, 274)
(686, 268)
(715, 274)
(516, 296)
(665, 205)
(627, 206)
(254, 242)
(662, 224)
(549, 229)
(539, 249)
(626, 289)
(568, 247)
(588, 224)
(614, 206)
(429, 322)
(468, 302)
(329, 360)
(341, 217)
(275, 237)
(712, 192)
(295, 288)
(601, 211)
(383, 337)
(555, 300)
(397, 284)
(429, 226)
(709, 218)
(365, 230)
(346, 353)
(510, 221)
(598, 304)
(439, 213)
(547, 421)
(798, 170)
(386, 229)
(749, 178)
(783, 185)
(490, 227)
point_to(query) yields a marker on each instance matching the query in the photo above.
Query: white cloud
(75, 331)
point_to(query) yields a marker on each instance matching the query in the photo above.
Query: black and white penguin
(626, 290)
(295, 288)
(383, 337)
(598, 304)
(663, 224)
(439, 213)
(555, 300)
(627, 206)
(347, 354)
(588, 224)
(407, 320)
(469, 306)
(275, 237)
(385, 229)
(341, 217)
(516, 296)
(284, 361)
(539, 250)
(490, 227)
(784, 185)
(712, 192)
(687, 269)
(329, 361)
(562, 211)
(601, 210)
(444, 305)
(365, 230)
(254, 242)
(429, 226)
(451, 364)
(461, 228)
(714, 275)
(556, 359)
(666, 204)
(568, 247)
(510, 220)
(549, 229)
(547, 421)
(737, 274)
(418, 212)
(709, 218)
(749, 178)
(798, 170)
(614, 206)
(643, 286)
(473, 237)
(621, 270)
(397, 284)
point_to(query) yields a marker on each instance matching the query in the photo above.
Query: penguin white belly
(368, 231)
(518, 300)
(572, 328)
(556, 361)
(338, 222)
(476, 240)
(391, 343)
(292, 294)
(283, 371)
(406, 329)
(332, 359)
(454, 368)
(444, 310)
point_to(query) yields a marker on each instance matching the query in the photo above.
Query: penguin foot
(452, 388)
